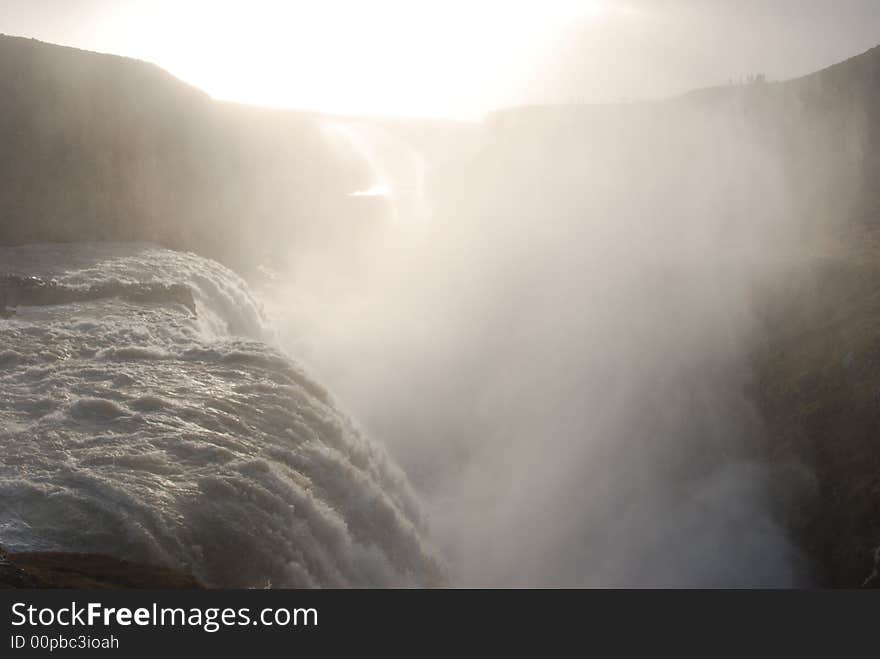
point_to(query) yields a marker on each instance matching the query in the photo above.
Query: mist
(604, 340)
(552, 333)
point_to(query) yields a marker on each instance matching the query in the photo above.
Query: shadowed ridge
(105, 148)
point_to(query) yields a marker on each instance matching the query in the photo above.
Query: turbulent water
(146, 431)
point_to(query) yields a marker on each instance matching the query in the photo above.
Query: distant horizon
(438, 118)
(455, 60)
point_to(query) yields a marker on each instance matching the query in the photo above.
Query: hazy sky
(456, 57)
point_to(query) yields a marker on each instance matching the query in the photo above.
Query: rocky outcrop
(72, 570)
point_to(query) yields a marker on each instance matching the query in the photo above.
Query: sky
(456, 58)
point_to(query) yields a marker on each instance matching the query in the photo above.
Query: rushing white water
(148, 432)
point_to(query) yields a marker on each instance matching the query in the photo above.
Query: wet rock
(72, 570)
(11, 576)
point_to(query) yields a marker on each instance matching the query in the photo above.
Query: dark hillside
(817, 385)
(810, 168)
(98, 147)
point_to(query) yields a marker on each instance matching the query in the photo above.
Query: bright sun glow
(378, 190)
(396, 57)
